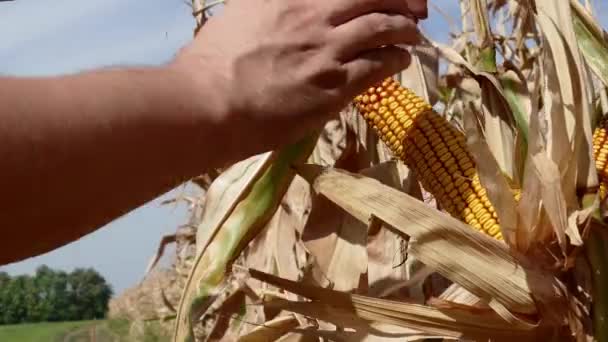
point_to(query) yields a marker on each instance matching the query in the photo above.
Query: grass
(39, 332)
(115, 330)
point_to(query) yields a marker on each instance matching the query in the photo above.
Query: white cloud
(25, 20)
(125, 33)
(141, 47)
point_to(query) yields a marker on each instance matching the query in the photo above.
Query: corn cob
(600, 154)
(433, 148)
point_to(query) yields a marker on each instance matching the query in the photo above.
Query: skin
(78, 151)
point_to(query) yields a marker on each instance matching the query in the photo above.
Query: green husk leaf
(245, 220)
(487, 60)
(518, 98)
(591, 40)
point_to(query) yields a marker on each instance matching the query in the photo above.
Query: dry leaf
(477, 262)
(356, 312)
(270, 331)
(422, 75)
(492, 179)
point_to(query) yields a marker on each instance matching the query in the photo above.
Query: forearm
(79, 151)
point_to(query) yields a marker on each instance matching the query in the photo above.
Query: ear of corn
(600, 153)
(437, 152)
(433, 148)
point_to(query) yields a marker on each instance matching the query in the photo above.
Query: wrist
(200, 87)
(195, 110)
(211, 91)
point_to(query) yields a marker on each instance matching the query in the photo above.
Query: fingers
(375, 65)
(372, 31)
(418, 8)
(342, 11)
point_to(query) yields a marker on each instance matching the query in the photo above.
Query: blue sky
(64, 36)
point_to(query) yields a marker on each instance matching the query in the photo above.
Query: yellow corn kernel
(600, 154)
(433, 148)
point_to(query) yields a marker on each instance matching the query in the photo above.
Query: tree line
(53, 295)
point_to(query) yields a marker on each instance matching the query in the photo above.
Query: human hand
(276, 69)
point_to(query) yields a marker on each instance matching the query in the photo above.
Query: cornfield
(463, 199)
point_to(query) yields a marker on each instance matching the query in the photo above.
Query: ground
(81, 331)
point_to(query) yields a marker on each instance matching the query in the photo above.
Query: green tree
(53, 295)
(4, 278)
(4, 283)
(15, 308)
(31, 300)
(89, 294)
